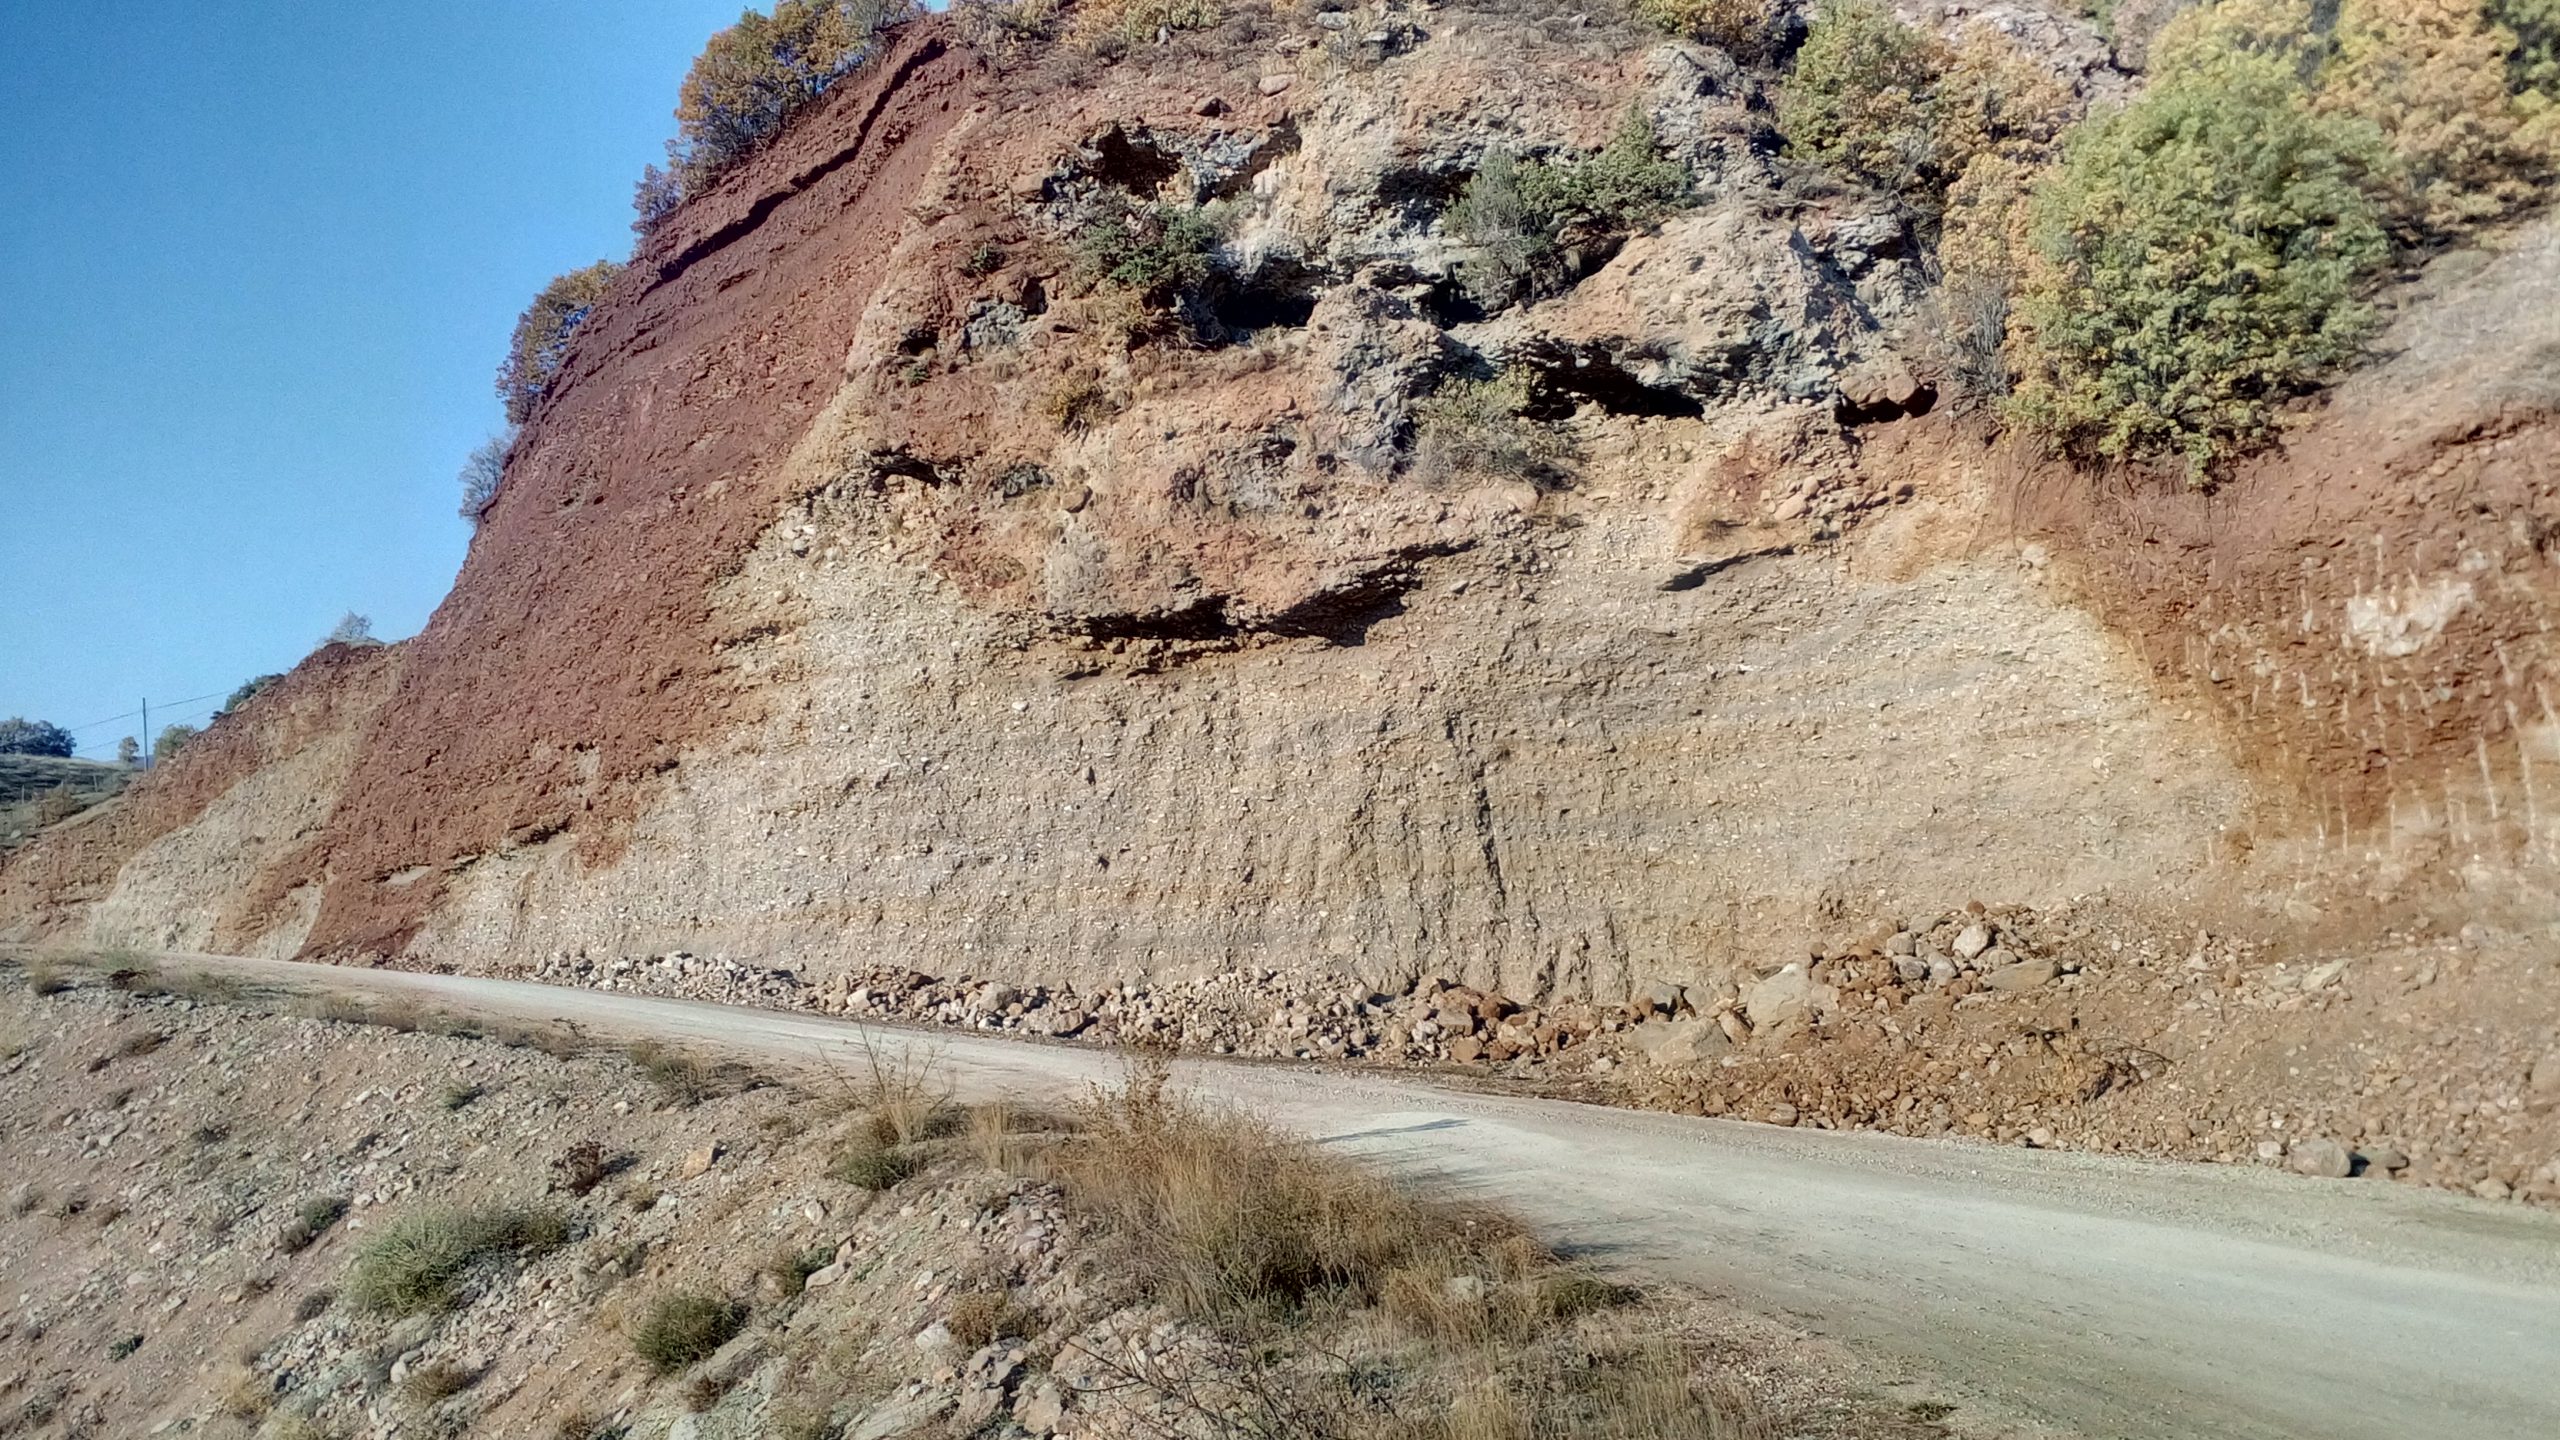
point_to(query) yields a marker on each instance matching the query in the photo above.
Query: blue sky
(257, 263)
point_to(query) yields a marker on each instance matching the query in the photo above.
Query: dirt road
(2101, 1296)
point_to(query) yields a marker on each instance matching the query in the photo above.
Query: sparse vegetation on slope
(540, 344)
(420, 1261)
(750, 81)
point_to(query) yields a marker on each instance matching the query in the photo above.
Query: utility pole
(146, 733)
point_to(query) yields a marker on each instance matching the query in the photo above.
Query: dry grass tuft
(687, 1079)
(419, 1261)
(1227, 1217)
(685, 1326)
(240, 1394)
(438, 1381)
(982, 1317)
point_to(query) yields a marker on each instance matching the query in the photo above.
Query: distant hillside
(38, 790)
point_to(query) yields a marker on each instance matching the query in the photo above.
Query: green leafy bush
(1521, 218)
(1858, 100)
(686, 1326)
(747, 84)
(2534, 66)
(248, 688)
(1481, 427)
(1901, 109)
(419, 1261)
(541, 340)
(2432, 77)
(2193, 261)
(1162, 253)
(1741, 27)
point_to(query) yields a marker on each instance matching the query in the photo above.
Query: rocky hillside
(905, 570)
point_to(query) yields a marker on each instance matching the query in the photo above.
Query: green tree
(541, 340)
(128, 752)
(172, 739)
(2193, 261)
(20, 736)
(748, 83)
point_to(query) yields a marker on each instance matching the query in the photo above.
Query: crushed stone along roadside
(2054, 1029)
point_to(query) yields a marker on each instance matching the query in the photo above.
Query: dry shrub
(1639, 1393)
(46, 977)
(792, 1265)
(239, 1393)
(982, 1317)
(581, 1167)
(437, 1381)
(684, 1326)
(1224, 1216)
(1108, 26)
(1077, 403)
(310, 1223)
(1008, 1140)
(338, 1009)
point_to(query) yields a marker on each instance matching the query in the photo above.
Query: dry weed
(1225, 1216)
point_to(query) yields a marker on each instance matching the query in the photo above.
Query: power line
(131, 714)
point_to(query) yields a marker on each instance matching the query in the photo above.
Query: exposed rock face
(866, 591)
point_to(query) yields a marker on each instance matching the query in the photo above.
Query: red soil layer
(642, 480)
(2428, 484)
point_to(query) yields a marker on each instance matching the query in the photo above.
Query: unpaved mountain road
(2092, 1295)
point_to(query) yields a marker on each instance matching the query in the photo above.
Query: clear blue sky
(257, 262)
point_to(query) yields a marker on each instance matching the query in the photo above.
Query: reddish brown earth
(643, 477)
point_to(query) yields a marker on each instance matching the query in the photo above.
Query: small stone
(1664, 998)
(1903, 942)
(1274, 84)
(1042, 1410)
(699, 1162)
(1975, 939)
(2382, 1160)
(1783, 1114)
(2040, 1138)
(2025, 975)
(1209, 105)
(2493, 1188)
(2271, 1151)
(2321, 1158)
(1910, 969)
